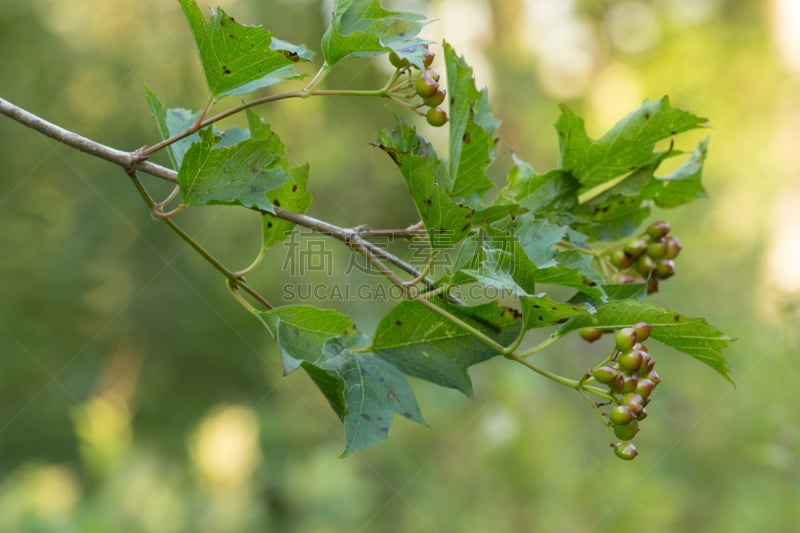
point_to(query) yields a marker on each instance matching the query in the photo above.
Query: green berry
(625, 450)
(625, 339)
(635, 247)
(621, 415)
(436, 99)
(634, 401)
(647, 364)
(590, 334)
(642, 330)
(630, 361)
(426, 87)
(396, 61)
(665, 269)
(432, 74)
(645, 265)
(673, 247)
(617, 384)
(657, 249)
(628, 431)
(656, 230)
(436, 116)
(605, 374)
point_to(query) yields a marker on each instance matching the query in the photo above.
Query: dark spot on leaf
(225, 70)
(391, 395)
(442, 230)
(471, 213)
(537, 306)
(383, 430)
(379, 418)
(366, 417)
(296, 331)
(561, 321)
(452, 100)
(294, 188)
(290, 55)
(516, 313)
(269, 225)
(554, 309)
(232, 36)
(408, 415)
(647, 116)
(276, 202)
(253, 188)
(541, 318)
(466, 227)
(673, 132)
(428, 201)
(677, 317)
(398, 323)
(632, 168)
(466, 138)
(498, 330)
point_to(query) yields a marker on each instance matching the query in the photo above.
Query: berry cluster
(630, 378)
(426, 87)
(647, 258)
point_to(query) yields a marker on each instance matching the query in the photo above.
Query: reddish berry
(426, 87)
(654, 377)
(617, 384)
(635, 247)
(665, 269)
(436, 99)
(656, 230)
(620, 259)
(647, 364)
(629, 385)
(634, 401)
(644, 387)
(622, 277)
(652, 285)
(642, 332)
(427, 58)
(643, 414)
(673, 247)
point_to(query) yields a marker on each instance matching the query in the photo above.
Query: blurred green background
(136, 395)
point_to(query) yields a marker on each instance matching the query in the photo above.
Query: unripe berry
(630, 361)
(605, 374)
(426, 87)
(436, 99)
(647, 364)
(644, 387)
(622, 277)
(652, 285)
(621, 415)
(620, 259)
(654, 377)
(643, 414)
(396, 61)
(657, 250)
(665, 269)
(625, 339)
(432, 74)
(427, 58)
(634, 401)
(645, 265)
(635, 247)
(628, 431)
(630, 384)
(436, 116)
(625, 450)
(656, 230)
(673, 247)
(590, 334)
(617, 384)
(642, 331)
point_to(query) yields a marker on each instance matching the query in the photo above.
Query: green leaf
(364, 390)
(540, 310)
(237, 58)
(367, 392)
(445, 221)
(683, 185)
(302, 331)
(361, 28)
(693, 336)
(554, 191)
(573, 269)
(424, 344)
(242, 174)
(472, 129)
(538, 237)
(503, 264)
(626, 147)
(292, 195)
(171, 122)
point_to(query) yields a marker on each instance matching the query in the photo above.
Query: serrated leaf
(537, 237)
(364, 390)
(573, 269)
(424, 344)
(361, 28)
(367, 391)
(692, 336)
(171, 122)
(540, 310)
(445, 221)
(238, 58)
(292, 195)
(503, 264)
(683, 185)
(245, 173)
(302, 331)
(556, 190)
(626, 147)
(472, 129)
